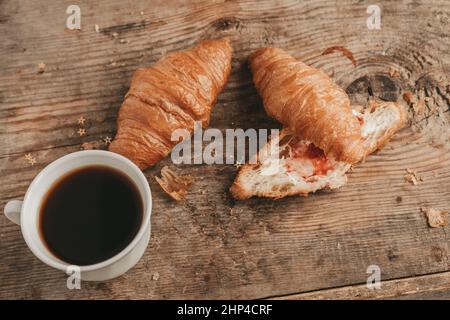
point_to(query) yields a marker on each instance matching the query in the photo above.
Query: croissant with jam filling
(322, 137)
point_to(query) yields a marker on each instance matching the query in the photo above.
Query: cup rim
(147, 198)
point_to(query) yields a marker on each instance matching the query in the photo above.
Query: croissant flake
(173, 184)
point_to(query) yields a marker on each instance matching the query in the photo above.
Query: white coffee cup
(26, 213)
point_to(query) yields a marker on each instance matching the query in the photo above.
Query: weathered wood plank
(433, 286)
(211, 246)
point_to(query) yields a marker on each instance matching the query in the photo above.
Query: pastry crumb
(419, 107)
(41, 67)
(96, 28)
(155, 276)
(436, 218)
(411, 176)
(393, 72)
(92, 145)
(173, 184)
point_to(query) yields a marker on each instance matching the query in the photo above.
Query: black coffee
(90, 215)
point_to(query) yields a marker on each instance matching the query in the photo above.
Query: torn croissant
(173, 184)
(172, 94)
(323, 135)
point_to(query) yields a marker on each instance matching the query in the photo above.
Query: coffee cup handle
(12, 210)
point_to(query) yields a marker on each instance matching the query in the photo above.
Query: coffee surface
(90, 215)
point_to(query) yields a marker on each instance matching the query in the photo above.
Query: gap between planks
(401, 287)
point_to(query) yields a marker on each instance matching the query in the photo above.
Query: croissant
(305, 100)
(172, 94)
(323, 136)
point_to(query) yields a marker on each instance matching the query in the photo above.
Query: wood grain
(212, 246)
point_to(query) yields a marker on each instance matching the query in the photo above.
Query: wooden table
(211, 246)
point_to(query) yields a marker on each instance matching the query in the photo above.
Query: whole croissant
(174, 93)
(308, 102)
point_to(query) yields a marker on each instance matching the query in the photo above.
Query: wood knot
(378, 86)
(392, 256)
(226, 23)
(438, 254)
